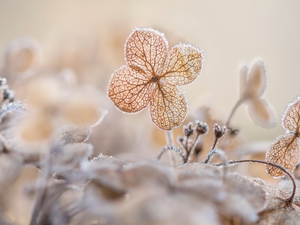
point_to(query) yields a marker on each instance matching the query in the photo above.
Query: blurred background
(88, 37)
(85, 39)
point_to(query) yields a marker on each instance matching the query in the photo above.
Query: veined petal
(285, 152)
(168, 106)
(129, 90)
(147, 49)
(260, 113)
(183, 64)
(291, 116)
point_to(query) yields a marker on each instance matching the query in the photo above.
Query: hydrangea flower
(152, 75)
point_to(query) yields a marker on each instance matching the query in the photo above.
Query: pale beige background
(229, 32)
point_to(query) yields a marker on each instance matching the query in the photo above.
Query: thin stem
(41, 196)
(192, 149)
(289, 199)
(210, 155)
(170, 141)
(236, 106)
(171, 148)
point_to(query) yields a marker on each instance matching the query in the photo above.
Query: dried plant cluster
(46, 124)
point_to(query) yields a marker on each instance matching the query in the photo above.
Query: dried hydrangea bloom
(152, 75)
(277, 210)
(285, 149)
(252, 86)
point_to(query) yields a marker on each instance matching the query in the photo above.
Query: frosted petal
(291, 116)
(260, 113)
(146, 49)
(257, 79)
(183, 64)
(285, 152)
(168, 106)
(129, 90)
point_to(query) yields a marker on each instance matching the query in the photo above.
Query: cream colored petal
(285, 152)
(257, 79)
(129, 90)
(168, 106)
(243, 80)
(183, 64)
(260, 113)
(146, 49)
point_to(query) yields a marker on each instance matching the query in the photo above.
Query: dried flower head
(285, 149)
(151, 76)
(219, 131)
(188, 129)
(253, 85)
(201, 127)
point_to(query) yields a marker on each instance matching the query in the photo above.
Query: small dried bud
(201, 128)
(219, 131)
(180, 139)
(188, 130)
(8, 94)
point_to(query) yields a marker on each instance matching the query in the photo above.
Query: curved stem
(291, 198)
(236, 106)
(171, 148)
(210, 155)
(192, 149)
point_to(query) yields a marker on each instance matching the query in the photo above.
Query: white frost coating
(103, 114)
(288, 108)
(145, 29)
(13, 107)
(257, 118)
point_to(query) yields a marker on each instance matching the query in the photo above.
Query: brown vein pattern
(130, 90)
(285, 152)
(168, 106)
(183, 64)
(291, 117)
(146, 49)
(151, 76)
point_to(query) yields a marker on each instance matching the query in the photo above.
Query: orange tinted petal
(291, 116)
(168, 106)
(183, 64)
(130, 90)
(285, 152)
(146, 49)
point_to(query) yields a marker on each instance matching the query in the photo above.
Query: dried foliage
(285, 149)
(48, 131)
(151, 76)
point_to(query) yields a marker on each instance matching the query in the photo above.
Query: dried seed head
(188, 130)
(219, 131)
(201, 128)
